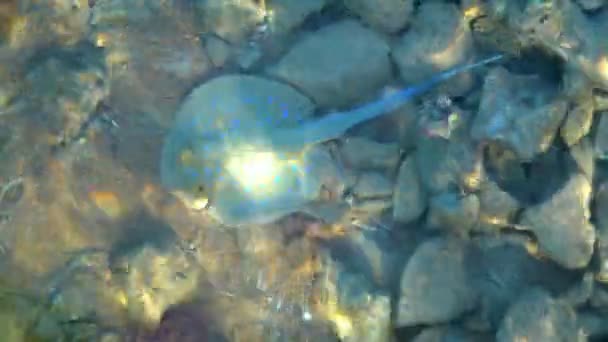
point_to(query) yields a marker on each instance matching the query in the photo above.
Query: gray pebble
(434, 284)
(538, 317)
(561, 224)
(409, 198)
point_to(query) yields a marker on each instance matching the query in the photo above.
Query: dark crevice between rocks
(554, 167)
(537, 61)
(328, 15)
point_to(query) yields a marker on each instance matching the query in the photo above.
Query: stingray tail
(334, 125)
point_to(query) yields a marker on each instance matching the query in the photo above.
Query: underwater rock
(561, 223)
(219, 50)
(600, 214)
(120, 12)
(536, 316)
(363, 153)
(438, 39)
(591, 5)
(434, 284)
(370, 185)
(156, 277)
(502, 266)
(600, 143)
(389, 15)
(523, 112)
(233, 20)
(323, 63)
(289, 14)
(65, 85)
(583, 155)
(453, 212)
(371, 193)
(450, 333)
(578, 120)
(444, 165)
(409, 198)
(497, 207)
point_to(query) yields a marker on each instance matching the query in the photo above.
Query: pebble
(521, 111)
(600, 143)
(362, 153)
(389, 16)
(453, 212)
(578, 120)
(536, 316)
(438, 39)
(287, 15)
(409, 198)
(232, 20)
(434, 285)
(561, 224)
(496, 207)
(328, 64)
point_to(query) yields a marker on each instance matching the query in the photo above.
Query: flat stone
(561, 224)
(409, 198)
(386, 15)
(434, 284)
(453, 212)
(521, 111)
(363, 153)
(437, 40)
(330, 64)
(578, 120)
(600, 143)
(289, 14)
(538, 317)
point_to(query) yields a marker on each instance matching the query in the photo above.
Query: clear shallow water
(94, 247)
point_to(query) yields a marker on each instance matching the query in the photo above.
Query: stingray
(248, 158)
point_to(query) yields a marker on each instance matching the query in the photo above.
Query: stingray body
(251, 157)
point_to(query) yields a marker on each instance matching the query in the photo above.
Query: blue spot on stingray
(191, 173)
(248, 100)
(235, 123)
(285, 113)
(270, 100)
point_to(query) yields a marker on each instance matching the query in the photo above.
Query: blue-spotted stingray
(249, 158)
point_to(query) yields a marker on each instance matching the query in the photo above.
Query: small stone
(362, 153)
(523, 112)
(561, 224)
(497, 207)
(289, 14)
(233, 20)
(409, 198)
(249, 56)
(600, 212)
(434, 284)
(582, 153)
(453, 212)
(445, 165)
(450, 333)
(219, 50)
(591, 5)
(535, 316)
(578, 120)
(389, 16)
(600, 143)
(371, 193)
(160, 272)
(330, 63)
(438, 39)
(108, 12)
(64, 88)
